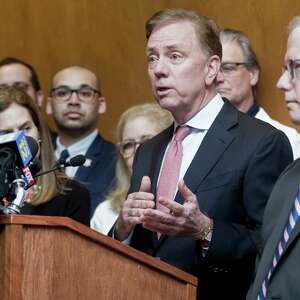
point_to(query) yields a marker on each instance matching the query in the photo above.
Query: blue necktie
(281, 247)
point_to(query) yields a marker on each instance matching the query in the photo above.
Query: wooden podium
(56, 258)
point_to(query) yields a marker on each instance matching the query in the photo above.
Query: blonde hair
(53, 182)
(156, 114)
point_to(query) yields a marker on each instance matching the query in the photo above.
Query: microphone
(75, 161)
(16, 153)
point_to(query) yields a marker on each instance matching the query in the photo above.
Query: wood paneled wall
(108, 37)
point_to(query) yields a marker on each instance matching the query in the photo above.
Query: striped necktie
(281, 247)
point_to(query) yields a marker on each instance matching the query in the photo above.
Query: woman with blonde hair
(136, 125)
(54, 194)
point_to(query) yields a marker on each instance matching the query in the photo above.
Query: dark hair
(206, 29)
(34, 78)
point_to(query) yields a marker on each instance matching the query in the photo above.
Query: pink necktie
(168, 181)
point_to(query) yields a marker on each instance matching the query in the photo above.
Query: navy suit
(232, 175)
(99, 176)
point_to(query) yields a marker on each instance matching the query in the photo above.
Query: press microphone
(16, 153)
(75, 161)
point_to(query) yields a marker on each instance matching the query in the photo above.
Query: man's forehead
(172, 35)
(14, 73)
(293, 45)
(75, 77)
(232, 52)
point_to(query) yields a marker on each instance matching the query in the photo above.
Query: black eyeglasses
(64, 93)
(128, 147)
(228, 68)
(292, 68)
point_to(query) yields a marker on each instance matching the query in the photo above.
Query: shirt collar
(79, 147)
(253, 110)
(206, 116)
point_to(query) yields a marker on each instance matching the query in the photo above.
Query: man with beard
(75, 102)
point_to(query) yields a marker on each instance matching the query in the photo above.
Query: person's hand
(185, 220)
(133, 208)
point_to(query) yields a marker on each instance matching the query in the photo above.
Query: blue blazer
(99, 176)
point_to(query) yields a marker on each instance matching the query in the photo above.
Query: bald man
(76, 102)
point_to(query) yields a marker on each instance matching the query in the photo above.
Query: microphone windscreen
(33, 145)
(35, 166)
(77, 160)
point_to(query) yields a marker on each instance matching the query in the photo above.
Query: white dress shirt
(77, 148)
(200, 125)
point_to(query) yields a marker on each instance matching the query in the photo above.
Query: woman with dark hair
(54, 194)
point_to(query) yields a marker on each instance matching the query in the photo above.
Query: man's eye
(228, 68)
(152, 59)
(61, 93)
(86, 93)
(175, 56)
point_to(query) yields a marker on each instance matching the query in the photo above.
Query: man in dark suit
(75, 103)
(277, 273)
(229, 163)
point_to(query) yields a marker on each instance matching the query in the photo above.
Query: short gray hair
(236, 36)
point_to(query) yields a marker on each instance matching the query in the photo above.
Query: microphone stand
(14, 206)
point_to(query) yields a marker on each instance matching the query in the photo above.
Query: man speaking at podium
(218, 164)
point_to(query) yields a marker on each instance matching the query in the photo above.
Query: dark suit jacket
(284, 283)
(99, 176)
(232, 175)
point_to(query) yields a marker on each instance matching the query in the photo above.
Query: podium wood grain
(49, 258)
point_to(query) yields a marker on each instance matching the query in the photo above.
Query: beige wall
(108, 37)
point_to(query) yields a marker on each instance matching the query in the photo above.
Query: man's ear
(212, 68)
(102, 105)
(39, 98)
(49, 107)
(254, 76)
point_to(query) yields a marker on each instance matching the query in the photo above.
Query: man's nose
(284, 83)
(161, 68)
(74, 99)
(220, 77)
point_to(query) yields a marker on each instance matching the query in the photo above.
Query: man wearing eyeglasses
(238, 78)
(277, 273)
(20, 74)
(75, 102)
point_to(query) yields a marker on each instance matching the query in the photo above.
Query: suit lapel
(94, 150)
(216, 141)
